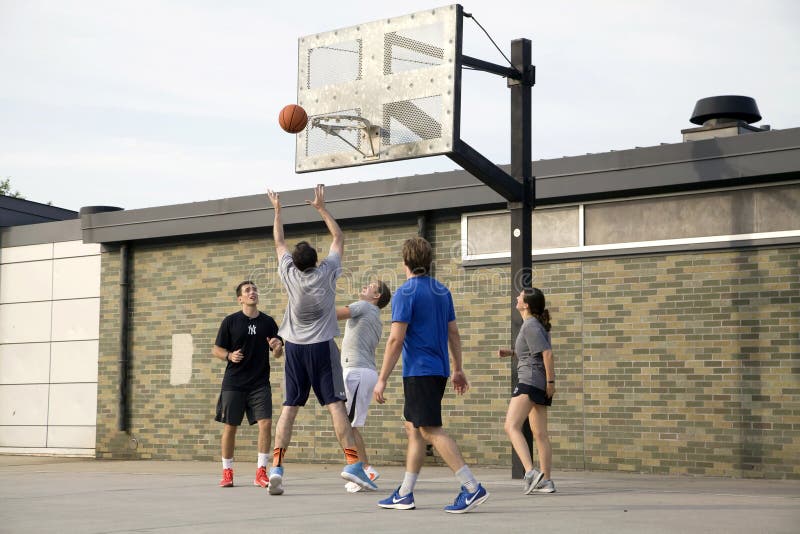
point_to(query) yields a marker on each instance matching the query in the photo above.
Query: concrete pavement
(44, 494)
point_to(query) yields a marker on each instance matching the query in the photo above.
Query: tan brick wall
(679, 364)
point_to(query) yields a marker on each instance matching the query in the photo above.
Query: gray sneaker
(532, 479)
(545, 486)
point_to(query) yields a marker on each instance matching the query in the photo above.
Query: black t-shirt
(240, 332)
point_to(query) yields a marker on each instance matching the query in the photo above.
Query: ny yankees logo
(251, 329)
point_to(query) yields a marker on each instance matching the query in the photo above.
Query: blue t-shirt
(426, 306)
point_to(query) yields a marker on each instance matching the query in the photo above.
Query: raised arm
(342, 312)
(333, 227)
(277, 225)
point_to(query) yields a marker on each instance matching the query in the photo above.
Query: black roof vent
(728, 108)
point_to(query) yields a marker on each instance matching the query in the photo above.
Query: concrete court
(45, 494)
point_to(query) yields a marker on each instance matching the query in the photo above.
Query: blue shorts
(313, 366)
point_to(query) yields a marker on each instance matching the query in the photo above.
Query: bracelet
(551, 381)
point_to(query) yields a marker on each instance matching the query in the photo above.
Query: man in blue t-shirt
(423, 325)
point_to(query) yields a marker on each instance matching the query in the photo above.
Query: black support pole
(521, 232)
(122, 421)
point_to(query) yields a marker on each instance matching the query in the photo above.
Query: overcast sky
(156, 102)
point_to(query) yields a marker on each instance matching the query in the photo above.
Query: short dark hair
(417, 255)
(304, 256)
(242, 284)
(386, 295)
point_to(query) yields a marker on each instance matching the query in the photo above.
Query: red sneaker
(261, 477)
(227, 478)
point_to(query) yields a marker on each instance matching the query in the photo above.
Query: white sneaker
(545, 486)
(352, 487)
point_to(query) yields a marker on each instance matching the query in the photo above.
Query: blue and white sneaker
(275, 486)
(355, 473)
(396, 502)
(466, 501)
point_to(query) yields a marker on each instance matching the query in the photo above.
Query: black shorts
(423, 399)
(232, 405)
(316, 366)
(537, 396)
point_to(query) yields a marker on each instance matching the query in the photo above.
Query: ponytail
(544, 318)
(534, 298)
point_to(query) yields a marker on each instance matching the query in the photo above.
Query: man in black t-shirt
(244, 341)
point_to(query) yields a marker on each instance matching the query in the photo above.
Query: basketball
(293, 118)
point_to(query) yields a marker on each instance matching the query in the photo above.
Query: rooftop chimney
(723, 116)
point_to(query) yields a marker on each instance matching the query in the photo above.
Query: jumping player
(309, 326)
(361, 336)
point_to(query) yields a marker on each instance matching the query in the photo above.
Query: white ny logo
(251, 329)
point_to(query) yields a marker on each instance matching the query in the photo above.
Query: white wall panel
(23, 436)
(26, 282)
(26, 253)
(76, 319)
(71, 437)
(25, 322)
(76, 277)
(73, 404)
(74, 361)
(23, 405)
(68, 249)
(25, 363)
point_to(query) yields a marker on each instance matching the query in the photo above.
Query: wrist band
(551, 381)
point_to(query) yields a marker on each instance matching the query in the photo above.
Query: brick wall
(676, 364)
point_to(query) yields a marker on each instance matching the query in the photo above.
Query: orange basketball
(293, 118)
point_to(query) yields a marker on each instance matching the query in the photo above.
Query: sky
(158, 102)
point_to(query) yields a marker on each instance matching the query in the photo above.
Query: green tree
(5, 189)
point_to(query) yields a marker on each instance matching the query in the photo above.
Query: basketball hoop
(336, 124)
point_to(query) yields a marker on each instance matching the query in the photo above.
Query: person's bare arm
(337, 245)
(550, 371)
(224, 355)
(277, 225)
(394, 348)
(460, 383)
(343, 312)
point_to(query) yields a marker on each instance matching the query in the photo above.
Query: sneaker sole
(472, 506)
(367, 485)
(226, 485)
(275, 486)
(544, 491)
(398, 506)
(256, 483)
(530, 489)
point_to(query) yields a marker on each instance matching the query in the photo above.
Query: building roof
(18, 211)
(770, 156)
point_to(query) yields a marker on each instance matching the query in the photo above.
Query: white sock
(263, 459)
(409, 481)
(467, 479)
(227, 463)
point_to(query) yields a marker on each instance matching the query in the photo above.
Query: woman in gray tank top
(534, 390)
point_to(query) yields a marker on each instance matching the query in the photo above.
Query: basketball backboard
(380, 91)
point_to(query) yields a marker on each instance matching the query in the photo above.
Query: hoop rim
(320, 121)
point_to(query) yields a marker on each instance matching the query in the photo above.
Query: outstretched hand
(505, 353)
(319, 197)
(275, 198)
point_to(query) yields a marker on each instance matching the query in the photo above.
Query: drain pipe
(123, 337)
(422, 231)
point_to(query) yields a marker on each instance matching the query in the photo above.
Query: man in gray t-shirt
(308, 328)
(362, 334)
